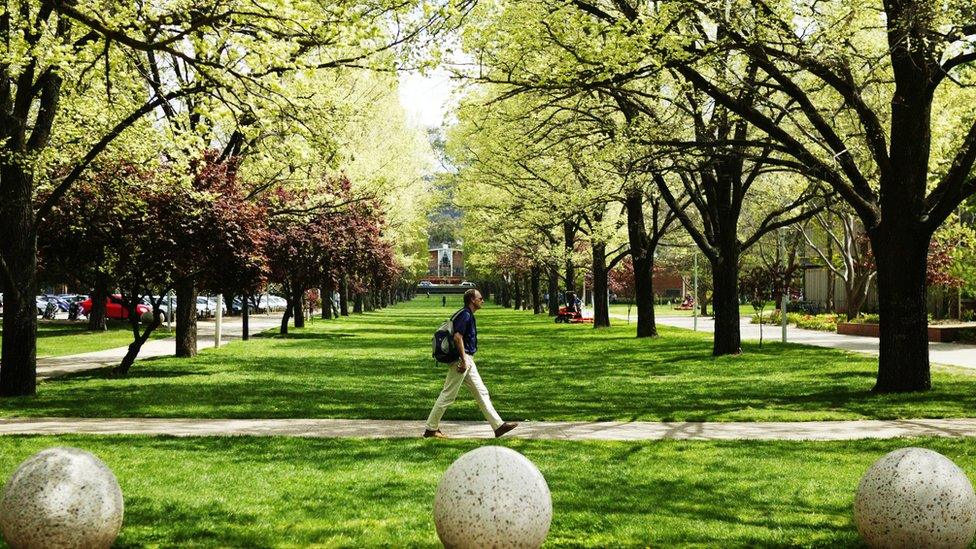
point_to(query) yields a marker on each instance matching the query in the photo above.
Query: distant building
(445, 264)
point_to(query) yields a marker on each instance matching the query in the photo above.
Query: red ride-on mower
(570, 316)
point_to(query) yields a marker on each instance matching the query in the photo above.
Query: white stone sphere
(492, 497)
(61, 497)
(915, 497)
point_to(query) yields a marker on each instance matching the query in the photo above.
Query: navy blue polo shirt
(465, 324)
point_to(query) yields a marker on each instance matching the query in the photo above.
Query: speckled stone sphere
(915, 497)
(492, 497)
(61, 497)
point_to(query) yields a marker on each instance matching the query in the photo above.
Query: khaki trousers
(452, 384)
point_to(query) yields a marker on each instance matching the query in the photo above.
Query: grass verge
(64, 337)
(378, 366)
(287, 492)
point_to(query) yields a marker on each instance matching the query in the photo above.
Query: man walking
(465, 371)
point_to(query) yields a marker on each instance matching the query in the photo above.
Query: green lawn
(287, 492)
(669, 310)
(64, 337)
(378, 365)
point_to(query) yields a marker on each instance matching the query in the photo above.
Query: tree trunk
(831, 277)
(245, 316)
(553, 291)
(326, 292)
(506, 294)
(903, 362)
(96, 315)
(358, 303)
(18, 374)
(642, 255)
(725, 304)
(186, 318)
(138, 340)
(856, 291)
(343, 297)
(644, 296)
(298, 305)
(536, 290)
(283, 328)
(601, 310)
(569, 235)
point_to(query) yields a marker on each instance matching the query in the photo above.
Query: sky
(426, 97)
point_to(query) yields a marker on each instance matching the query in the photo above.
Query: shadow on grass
(378, 366)
(311, 335)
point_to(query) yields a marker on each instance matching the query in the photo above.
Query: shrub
(823, 322)
(772, 317)
(864, 319)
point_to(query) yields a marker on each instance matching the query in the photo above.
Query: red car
(114, 308)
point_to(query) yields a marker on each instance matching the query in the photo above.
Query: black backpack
(442, 344)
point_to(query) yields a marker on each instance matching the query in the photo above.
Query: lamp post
(694, 300)
(218, 316)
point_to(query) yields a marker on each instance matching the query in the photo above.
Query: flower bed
(823, 322)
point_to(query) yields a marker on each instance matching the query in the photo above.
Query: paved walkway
(231, 328)
(951, 354)
(550, 430)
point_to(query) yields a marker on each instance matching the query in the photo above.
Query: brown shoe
(505, 427)
(434, 434)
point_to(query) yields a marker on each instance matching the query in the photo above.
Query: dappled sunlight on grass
(257, 491)
(378, 365)
(64, 337)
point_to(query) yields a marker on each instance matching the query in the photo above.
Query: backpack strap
(459, 311)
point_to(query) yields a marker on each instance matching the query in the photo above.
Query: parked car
(115, 309)
(71, 298)
(207, 306)
(61, 304)
(425, 284)
(255, 305)
(468, 284)
(163, 307)
(276, 303)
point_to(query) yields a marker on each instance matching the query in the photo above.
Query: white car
(164, 307)
(468, 284)
(207, 306)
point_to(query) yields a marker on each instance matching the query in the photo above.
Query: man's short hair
(469, 296)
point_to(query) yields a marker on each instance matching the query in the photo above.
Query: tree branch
(951, 191)
(104, 142)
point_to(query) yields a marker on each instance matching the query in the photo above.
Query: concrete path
(951, 354)
(231, 329)
(549, 430)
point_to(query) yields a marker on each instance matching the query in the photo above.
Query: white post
(169, 310)
(217, 318)
(694, 300)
